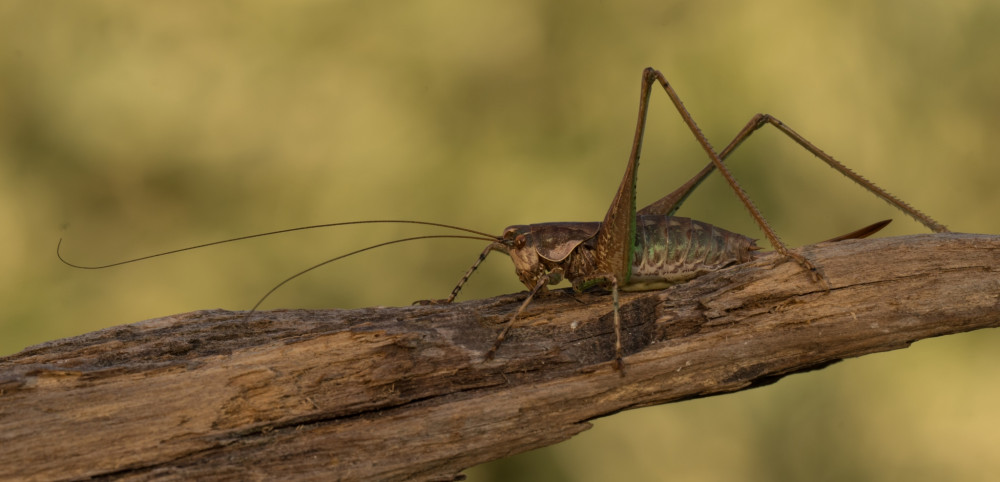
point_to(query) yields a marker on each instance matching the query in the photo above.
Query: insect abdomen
(672, 249)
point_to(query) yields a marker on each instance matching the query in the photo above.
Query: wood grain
(404, 393)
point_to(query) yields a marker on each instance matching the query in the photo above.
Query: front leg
(539, 286)
(461, 282)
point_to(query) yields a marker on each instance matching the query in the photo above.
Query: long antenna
(281, 231)
(352, 253)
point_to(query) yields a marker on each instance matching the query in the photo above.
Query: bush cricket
(630, 249)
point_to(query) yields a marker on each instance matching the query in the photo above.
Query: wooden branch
(403, 393)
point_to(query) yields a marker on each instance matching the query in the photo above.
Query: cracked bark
(403, 393)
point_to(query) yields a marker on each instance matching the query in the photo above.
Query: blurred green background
(134, 127)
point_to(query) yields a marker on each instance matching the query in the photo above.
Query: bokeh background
(134, 127)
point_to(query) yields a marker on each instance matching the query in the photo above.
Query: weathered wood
(403, 393)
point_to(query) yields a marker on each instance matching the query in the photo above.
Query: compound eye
(520, 241)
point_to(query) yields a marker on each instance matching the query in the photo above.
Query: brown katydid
(650, 248)
(630, 249)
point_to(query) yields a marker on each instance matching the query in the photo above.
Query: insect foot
(815, 273)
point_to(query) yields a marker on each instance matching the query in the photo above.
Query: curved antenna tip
(60, 256)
